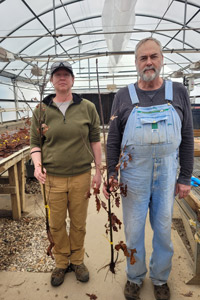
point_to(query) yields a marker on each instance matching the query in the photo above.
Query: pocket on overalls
(154, 129)
(149, 126)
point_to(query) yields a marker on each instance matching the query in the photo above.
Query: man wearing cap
(150, 133)
(70, 142)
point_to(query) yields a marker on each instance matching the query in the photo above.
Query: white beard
(149, 77)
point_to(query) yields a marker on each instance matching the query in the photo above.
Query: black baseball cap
(61, 64)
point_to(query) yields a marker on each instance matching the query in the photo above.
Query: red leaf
(88, 195)
(132, 259)
(114, 221)
(98, 204)
(96, 191)
(130, 157)
(117, 166)
(103, 204)
(92, 296)
(113, 117)
(124, 248)
(115, 228)
(123, 190)
(117, 201)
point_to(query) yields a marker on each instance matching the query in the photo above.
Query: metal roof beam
(50, 32)
(54, 25)
(17, 78)
(185, 25)
(185, 15)
(39, 15)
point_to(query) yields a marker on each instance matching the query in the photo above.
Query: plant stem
(112, 263)
(41, 135)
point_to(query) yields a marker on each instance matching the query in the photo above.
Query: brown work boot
(81, 272)
(132, 291)
(162, 292)
(58, 276)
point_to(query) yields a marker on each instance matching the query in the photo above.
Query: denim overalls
(149, 166)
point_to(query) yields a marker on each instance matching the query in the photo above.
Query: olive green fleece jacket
(66, 143)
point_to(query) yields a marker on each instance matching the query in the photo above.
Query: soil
(179, 227)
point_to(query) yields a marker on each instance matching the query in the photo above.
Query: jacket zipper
(64, 117)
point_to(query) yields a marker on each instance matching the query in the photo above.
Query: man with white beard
(150, 132)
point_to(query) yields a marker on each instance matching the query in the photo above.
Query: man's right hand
(112, 183)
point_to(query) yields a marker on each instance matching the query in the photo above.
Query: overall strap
(168, 90)
(133, 94)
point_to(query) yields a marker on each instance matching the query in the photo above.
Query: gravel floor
(32, 186)
(23, 245)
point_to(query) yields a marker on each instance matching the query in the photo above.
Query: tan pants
(68, 194)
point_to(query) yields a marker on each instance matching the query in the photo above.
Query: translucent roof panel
(35, 31)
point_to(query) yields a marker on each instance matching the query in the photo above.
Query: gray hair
(146, 40)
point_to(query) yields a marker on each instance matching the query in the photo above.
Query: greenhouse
(99, 149)
(82, 32)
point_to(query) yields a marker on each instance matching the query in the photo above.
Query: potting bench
(190, 213)
(14, 183)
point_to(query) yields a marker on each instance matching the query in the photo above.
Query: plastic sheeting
(25, 26)
(118, 16)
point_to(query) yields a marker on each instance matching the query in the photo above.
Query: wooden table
(190, 213)
(14, 184)
(197, 142)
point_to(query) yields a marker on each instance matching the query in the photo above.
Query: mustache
(149, 68)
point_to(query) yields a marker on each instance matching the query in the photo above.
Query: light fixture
(36, 71)
(80, 43)
(6, 56)
(191, 83)
(195, 66)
